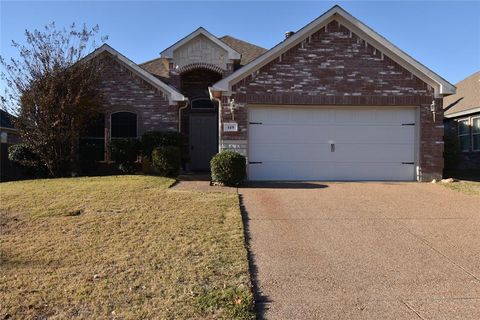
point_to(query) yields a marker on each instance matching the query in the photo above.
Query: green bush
(153, 139)
(125, 152)
(452, 153)
(166, 161)
(27, 159)
(228, 168)
(90, 152)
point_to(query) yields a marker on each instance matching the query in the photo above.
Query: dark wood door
(203, 140)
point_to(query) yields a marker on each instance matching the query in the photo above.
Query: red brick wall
(125, 91)
(335, 67)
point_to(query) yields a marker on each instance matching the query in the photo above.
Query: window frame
(136, 127)
(468, 134)
(472, 133)
(196, 99)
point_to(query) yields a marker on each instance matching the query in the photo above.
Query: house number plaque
(230, 127)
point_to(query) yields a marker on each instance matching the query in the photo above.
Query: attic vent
(288, 34)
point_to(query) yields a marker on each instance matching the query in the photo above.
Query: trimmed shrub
(23, 155)
(90, 152)
(125, 152)
(452, 153)
(153, 139)
(166, 161)
(27, 160)
(228, 168)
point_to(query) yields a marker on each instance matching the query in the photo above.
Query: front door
(203, 140)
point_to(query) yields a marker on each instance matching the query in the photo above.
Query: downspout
(180, 116)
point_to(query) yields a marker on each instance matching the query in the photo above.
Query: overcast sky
(444, 36)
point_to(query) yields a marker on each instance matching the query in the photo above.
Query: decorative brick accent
(124, 91)
(335, 67)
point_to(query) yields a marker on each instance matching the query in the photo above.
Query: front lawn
(468, 187)
(123, 247)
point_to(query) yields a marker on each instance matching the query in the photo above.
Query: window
(476, 133)
(202, 103)
(464, 134)
(92, 142)
(124, 125)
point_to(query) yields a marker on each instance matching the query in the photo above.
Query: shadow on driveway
(261, 300)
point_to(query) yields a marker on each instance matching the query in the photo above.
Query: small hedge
(125, 152)
(228, 168)
(27, 160)
(23, 155)
(154, 139)
(166, 161)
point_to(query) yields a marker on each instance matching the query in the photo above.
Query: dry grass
(122, 247)
(468, 187)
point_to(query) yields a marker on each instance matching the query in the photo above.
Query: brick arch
(200, 65)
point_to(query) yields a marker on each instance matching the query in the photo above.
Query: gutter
(461, 113)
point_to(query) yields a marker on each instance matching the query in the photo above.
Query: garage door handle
(332, 147)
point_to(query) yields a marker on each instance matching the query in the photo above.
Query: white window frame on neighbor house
(123, 111)
(474, 133)
(468, 134)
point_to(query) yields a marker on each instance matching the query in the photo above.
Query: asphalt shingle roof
(6, 120)
(467, 96)
(248, 51)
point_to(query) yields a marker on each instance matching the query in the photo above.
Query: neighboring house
(462, 119)
(333, 101)
(8, 137)
(8, 133)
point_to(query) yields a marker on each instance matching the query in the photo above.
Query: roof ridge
(468, 77)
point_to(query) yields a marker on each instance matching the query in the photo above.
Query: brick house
(332, 101)
(462, 120)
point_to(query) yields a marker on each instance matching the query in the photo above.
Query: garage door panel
(347, 171)
(370, 143)
(285, 171)
(371, 134)
(373, 171)
(375, 153)
(291, 152)
(324, 133)
(290, 116)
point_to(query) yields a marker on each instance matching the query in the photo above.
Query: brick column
(431, 142)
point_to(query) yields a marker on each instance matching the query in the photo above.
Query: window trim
(474, 134)
(195, 99)
(123, 111)
(469, 133)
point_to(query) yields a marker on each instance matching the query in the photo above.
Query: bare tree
(53, 91)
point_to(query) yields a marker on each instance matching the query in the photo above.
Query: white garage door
(344, 143)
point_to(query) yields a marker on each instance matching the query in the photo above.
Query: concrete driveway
(363, 250)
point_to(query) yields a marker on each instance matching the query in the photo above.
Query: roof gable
(440, 85)
(173, 94)
(232, 54)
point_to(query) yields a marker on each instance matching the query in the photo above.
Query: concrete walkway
(363, 250)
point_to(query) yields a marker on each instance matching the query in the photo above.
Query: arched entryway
(200, 117)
